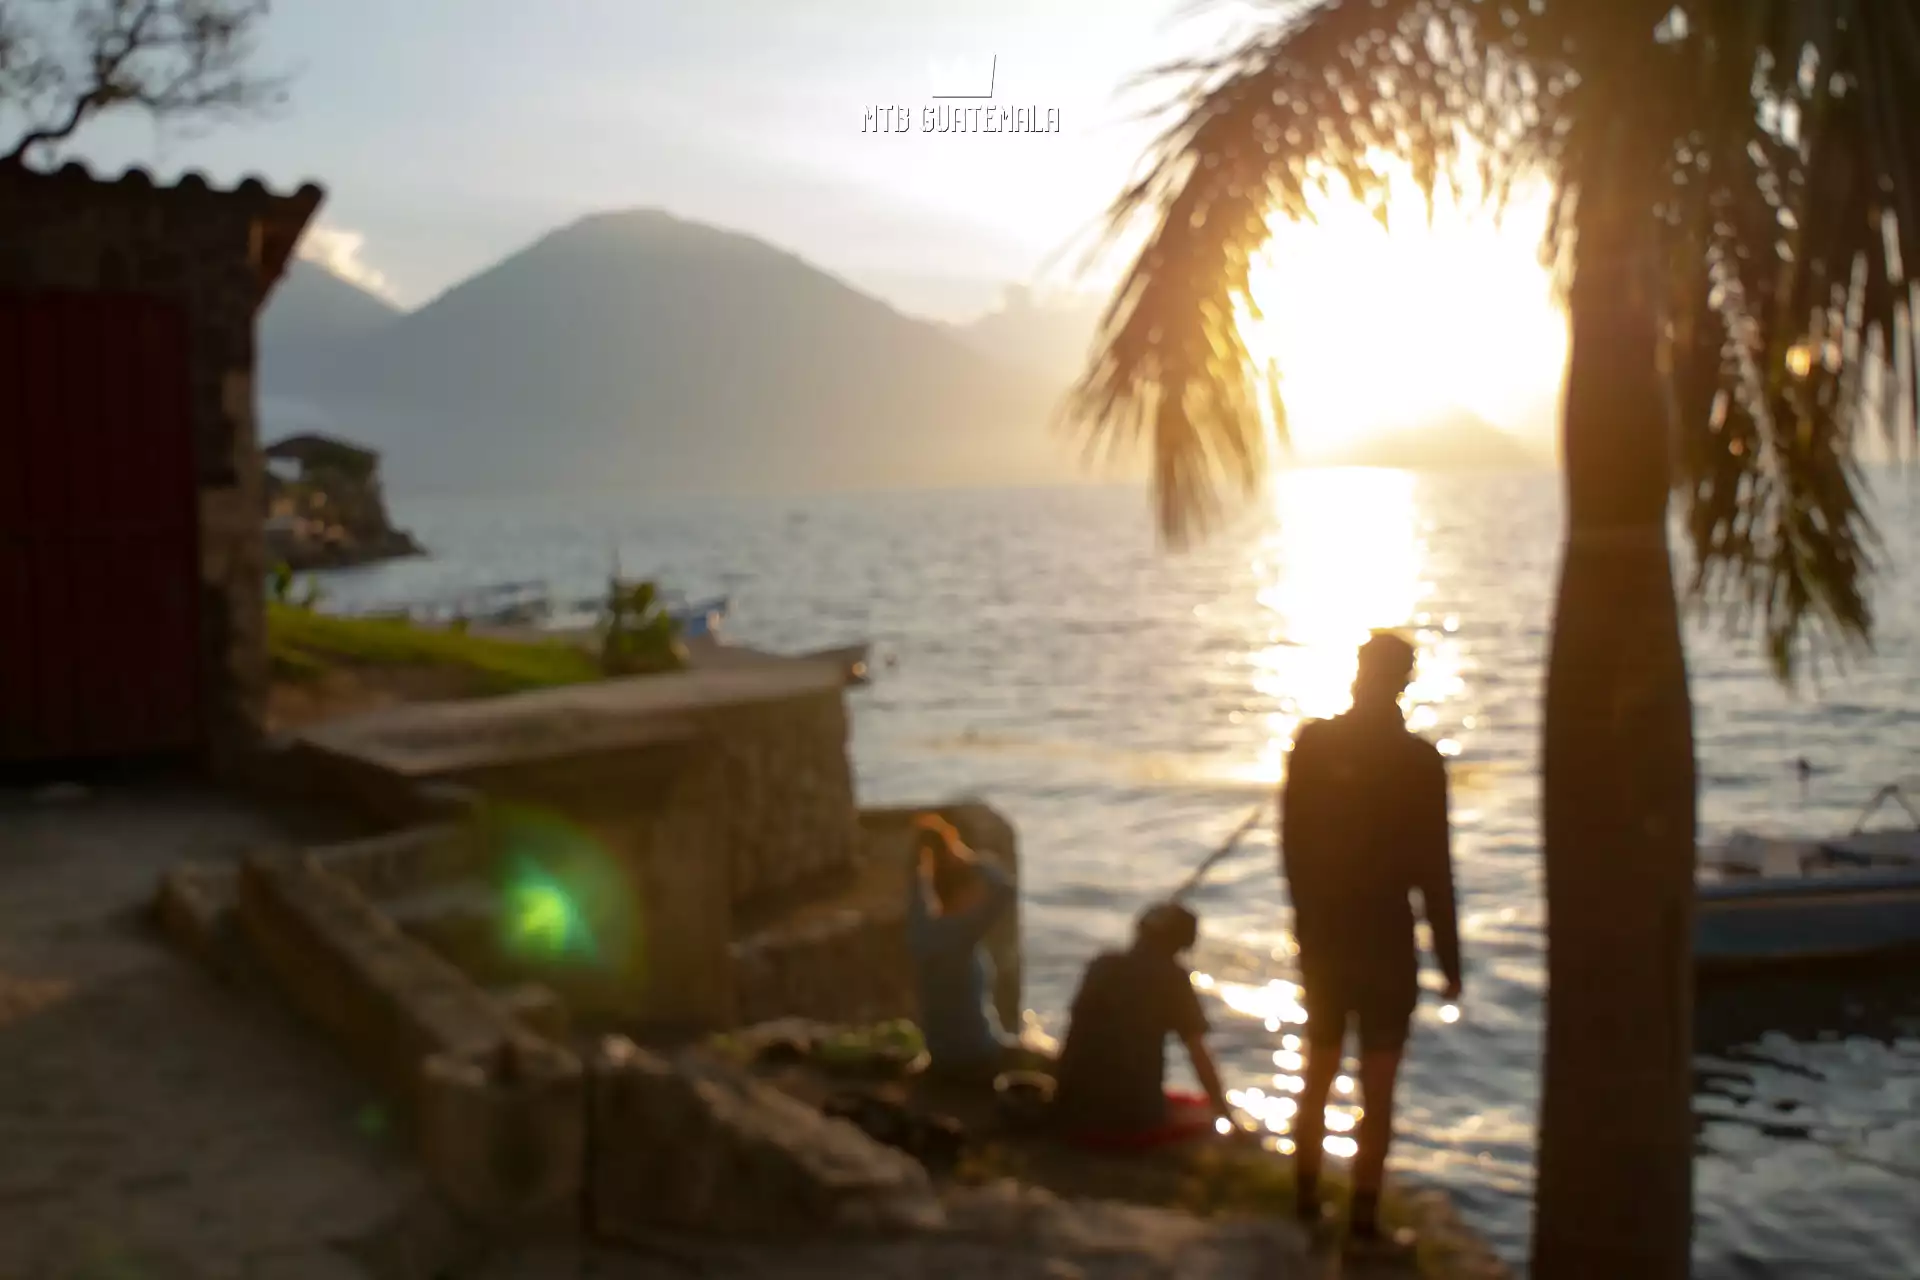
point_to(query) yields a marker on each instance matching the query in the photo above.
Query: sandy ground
(295, 705)
(158, 1125)
(152, 1123)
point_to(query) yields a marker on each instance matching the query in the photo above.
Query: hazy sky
(450, 132)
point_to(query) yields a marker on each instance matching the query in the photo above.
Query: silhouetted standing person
(1363, 824)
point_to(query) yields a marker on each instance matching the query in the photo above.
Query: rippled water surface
(1127, 708)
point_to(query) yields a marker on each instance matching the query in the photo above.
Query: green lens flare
(542, 919)
(565, 900)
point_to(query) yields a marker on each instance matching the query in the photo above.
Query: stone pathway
(153, 1124)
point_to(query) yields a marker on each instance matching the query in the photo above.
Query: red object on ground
(1189, 1117)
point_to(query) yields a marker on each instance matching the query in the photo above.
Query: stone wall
(715, 815)
(851, 967)
(356, 796)
(785, 789)
(503, 1135)
(646, 827)
(216, 254)
(694, 1145)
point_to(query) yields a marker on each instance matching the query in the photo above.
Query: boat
(503, 604)
(699, 619)
(531, 604)
(852, 659)
(1764, 901)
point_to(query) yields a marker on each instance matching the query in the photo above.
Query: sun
(1379, 330)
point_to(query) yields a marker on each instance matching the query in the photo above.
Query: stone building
(132, 572)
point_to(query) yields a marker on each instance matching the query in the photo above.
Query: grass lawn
(305, 645)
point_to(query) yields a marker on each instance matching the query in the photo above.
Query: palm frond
(1800, 173)
(1778, 163)
(1327, 98)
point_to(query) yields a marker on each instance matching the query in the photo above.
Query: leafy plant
(638, 636)
(280, 589)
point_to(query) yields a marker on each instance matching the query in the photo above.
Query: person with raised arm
(953, 900)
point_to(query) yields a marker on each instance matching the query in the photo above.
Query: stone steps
(390, 1001)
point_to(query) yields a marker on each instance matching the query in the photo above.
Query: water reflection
(1346, 556)
(1272, 1106)
(1778, 1059)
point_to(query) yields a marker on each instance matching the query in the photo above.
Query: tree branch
(174, 59)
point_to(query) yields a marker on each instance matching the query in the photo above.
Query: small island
(330, 512)
(1457, 442)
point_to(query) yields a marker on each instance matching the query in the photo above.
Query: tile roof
(280, 218)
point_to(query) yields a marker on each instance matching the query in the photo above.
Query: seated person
(1111, 1089)
(953, 899)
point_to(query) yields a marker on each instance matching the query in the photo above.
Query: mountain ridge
(686, 355)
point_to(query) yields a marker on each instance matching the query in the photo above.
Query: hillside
(1050, 339)
(312, 311)
(1459, 442)
(638, 350)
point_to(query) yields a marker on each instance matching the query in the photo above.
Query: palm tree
(1735, 197)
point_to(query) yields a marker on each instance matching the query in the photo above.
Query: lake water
(1127, 708)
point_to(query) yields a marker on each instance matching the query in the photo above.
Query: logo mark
(960, 80)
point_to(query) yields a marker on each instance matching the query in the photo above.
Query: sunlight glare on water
(1277, 1003)
(1346, 556)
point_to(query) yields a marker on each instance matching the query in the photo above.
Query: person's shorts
(1189, 1118)
(1382, 1012)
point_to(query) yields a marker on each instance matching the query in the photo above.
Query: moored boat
(698, 619)
(1771, 901)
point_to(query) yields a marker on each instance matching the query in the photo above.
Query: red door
(99, 596)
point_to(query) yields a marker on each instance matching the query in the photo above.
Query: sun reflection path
(1272, 1106)
(1346, 557)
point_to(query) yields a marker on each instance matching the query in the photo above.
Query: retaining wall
(387, 1001)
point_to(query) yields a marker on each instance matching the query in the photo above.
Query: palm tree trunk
(1614, 1179)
